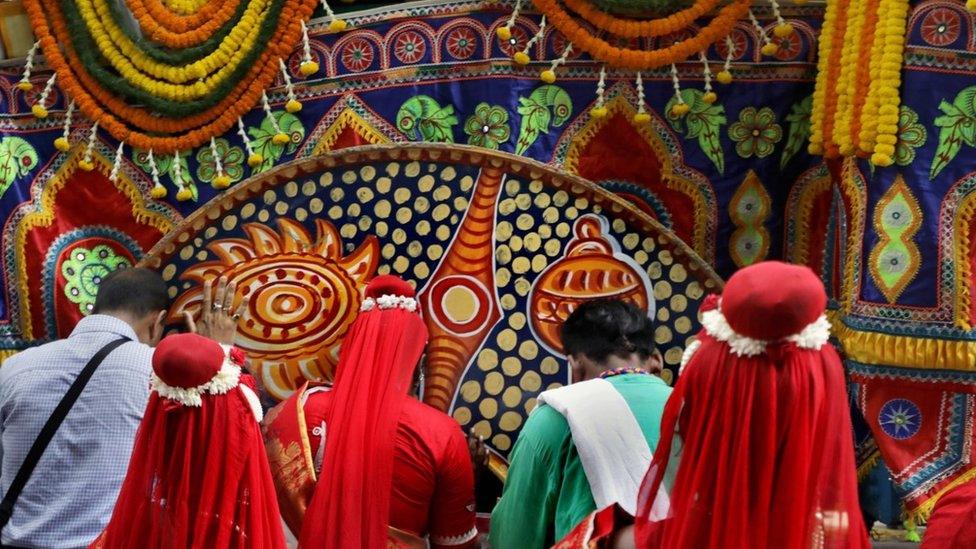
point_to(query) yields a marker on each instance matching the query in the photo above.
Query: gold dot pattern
(414, 209)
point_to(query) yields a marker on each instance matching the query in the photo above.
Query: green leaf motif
(488, 126)
(17, 159)
(956, 127)
(546, 106)
(423, 119)
(799, 121)
(262, 139)
(703, 122)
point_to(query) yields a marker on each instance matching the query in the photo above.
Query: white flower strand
(532, 41)
(306, 47)
(730, 47)
(222, 382)
(90, 147)
(113, 176)
(776, 14)
(25, 83)
(289, 87)
(762, 32)
(177, 169)
(389, 301)
(267, 113)
(243, 134)
(601, 86)
(686, 356)
(641, 107)
(153, 170)
(676, 84)
(218, 166)
(814, 336)
(706, 71)
(562, 58)
(67, 120)
(515, 13)
(40, 109)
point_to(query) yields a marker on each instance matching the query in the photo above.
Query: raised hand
(218, 318)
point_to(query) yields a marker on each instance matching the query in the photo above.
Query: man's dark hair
(136, 291)
(603, 328)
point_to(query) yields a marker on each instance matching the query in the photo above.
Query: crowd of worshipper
(125, 436)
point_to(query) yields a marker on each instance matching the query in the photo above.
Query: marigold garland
(627, 58)
(177, 32)
(856, 98)
(629, 28)
(142, 126)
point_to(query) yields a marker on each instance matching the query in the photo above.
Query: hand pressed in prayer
(218, 318)
(478, 450)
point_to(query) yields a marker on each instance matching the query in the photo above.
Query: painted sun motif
(302, 296)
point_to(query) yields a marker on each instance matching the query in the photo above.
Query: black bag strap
(47, 432)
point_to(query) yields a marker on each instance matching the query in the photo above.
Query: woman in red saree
(363, 464)
(756, 447)
(199, 476)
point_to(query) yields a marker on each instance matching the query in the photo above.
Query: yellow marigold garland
(889, 78)
(839, 122)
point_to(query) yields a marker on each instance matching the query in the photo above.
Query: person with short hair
(587, 445)
(69, 497)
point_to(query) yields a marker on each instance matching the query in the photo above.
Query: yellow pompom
(222, 181)
(783, 30)
(724, 77)
(521, 58)
(86, 165)
(504, 33)
(184, 194)
(770, 49)
(39, 111)
(598, 112)
(62, 144)
(158, 192)
(308, 68)
(680, 109)
(280, 139)
(338, 25)
(548, 76)
(25, 85)
(255, 160)
(642, 118)
(710, 97)
(293, 106)
(882, 160)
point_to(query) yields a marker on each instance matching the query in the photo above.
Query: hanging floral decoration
(574, 19)
(856, 103)
(189, 72)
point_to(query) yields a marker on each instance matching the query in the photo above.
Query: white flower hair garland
(814, 336)
(222, 382)
(389, 301)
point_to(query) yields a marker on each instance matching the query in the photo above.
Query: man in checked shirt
(71, 494)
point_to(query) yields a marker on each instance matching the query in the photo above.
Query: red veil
(756, 439)
(351, 504)
(199, 476)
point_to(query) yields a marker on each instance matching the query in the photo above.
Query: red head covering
(756, 437)
(199, 476)
(351, 505)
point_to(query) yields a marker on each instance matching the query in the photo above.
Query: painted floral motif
(488, 126)
(749, 209)
(703, 122)
(941, 27)
(790, 46)
(895, 259)
(17, 159)
(84, 270)
(423, 119)
(911, 135)
(756, 133)
(409, 47)
(461, 43)
(231, 161)
(740, 43)
(262, 139)
(546, 106)
(515, 43)
(358, 54)
(956, 126)
(799, 121)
